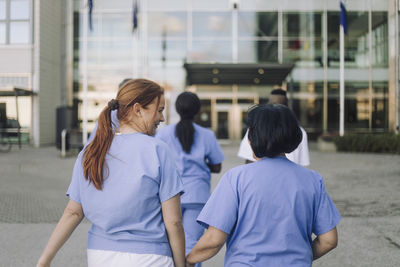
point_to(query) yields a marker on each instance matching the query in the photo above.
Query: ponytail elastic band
(113, 104)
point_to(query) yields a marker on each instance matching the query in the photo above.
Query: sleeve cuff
(171, 195)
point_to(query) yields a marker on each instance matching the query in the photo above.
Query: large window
(302, 38)
(211, 37)
(304, 33)
(356, 40)
(15, 25)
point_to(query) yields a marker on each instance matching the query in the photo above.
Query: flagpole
(343, 30)
(85, 74)
(341, 118)
(135, 46)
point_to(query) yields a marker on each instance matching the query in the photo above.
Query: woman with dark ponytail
(197, 154)
(132, 200)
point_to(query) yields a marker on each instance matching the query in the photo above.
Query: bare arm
(215, 168)
(72, 216)
(324, 243)
(209, 245)
(171, 210)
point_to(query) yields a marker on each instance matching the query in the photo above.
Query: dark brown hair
(140, 91)
(187, 105)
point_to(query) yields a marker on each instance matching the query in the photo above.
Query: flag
(135, 16)
(343, 16)
(90, 5)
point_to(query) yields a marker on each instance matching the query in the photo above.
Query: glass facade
(305, 33)
(15, 22)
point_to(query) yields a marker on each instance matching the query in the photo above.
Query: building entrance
(223, 114)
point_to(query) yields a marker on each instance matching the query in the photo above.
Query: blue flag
(90, 4)
(343, 16)
(134, 15)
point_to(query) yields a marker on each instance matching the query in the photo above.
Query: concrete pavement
(365, 188)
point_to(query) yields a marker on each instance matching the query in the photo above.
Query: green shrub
(376, 143)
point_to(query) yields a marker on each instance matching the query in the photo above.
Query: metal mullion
(8, 10)
(325, 86)
(189, 28)
(370, 65)
(280, 36)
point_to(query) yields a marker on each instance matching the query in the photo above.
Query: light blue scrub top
(193, 166)
(269, 209)
(126, 213)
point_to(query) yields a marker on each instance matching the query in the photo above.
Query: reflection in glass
(257, 51)
(260, 24)
(212, 24)
(203, 118)
(380, 107)
(2, 9)
(302, 24)
(96, 25)
(119, 24)
(303, 51)
(173, 77)
(208, 51)
(167, 52)
(222, 122)
(247, 51)
(306, 103)
(309, 112)
(117, 53)
(244, 124)
(267, 51)
(333, 106)
(107, 4)
(379, 39)
(2, 33)
(19, 9)
(356, 41)
(380, 114)
(19, 32)
(166, 5)
(357, 106)
(209, 4)
(172, 24)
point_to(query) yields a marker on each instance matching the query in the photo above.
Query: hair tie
(113, 104)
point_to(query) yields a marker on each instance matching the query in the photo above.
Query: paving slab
(364, 187)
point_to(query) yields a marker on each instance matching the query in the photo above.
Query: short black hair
(278, 91)
(273, 129)
(278, 96)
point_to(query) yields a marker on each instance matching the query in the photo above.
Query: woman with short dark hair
(267, 211)
(197, 154)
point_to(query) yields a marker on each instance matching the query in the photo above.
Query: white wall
(48, 68)
(16, 59)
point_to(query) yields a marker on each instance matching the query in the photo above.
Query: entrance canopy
(16, 92)
(240, 74)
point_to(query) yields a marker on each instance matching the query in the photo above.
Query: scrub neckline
(126, 134)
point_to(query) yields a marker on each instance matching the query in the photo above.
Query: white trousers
(108, 258)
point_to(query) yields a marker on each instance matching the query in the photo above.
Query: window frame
(7, 21)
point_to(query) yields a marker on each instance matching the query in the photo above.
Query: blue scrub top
(126, 213)
(193, 166)
(270, 209)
